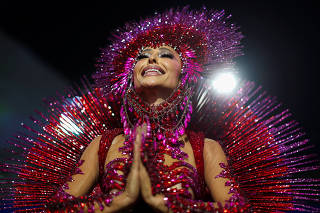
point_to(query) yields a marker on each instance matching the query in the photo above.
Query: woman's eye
(166, 55)
(142, 56)
(163, 55)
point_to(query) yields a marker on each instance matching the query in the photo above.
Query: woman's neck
(155, 96)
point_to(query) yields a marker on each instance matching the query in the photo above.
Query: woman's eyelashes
(166, 55)
(161, 55)
(142, 56)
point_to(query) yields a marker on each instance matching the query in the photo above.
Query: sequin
(268, 153)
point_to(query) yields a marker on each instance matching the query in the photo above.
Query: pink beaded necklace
(166, 121)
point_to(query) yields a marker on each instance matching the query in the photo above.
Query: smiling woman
(152, 127)
(156, 73)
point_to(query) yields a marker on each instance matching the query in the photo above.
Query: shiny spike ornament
(204, 39)
(271, 166)
(269, 154)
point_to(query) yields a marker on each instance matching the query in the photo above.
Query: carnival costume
(266, 150)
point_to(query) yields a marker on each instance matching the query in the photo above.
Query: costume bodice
(191, 175)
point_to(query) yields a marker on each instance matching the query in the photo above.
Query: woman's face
(159, 67)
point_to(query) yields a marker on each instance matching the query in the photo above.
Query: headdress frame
(203, 39)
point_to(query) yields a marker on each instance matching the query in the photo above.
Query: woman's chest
(166, 171)
(115, 151)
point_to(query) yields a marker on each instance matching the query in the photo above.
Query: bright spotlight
(224, 82)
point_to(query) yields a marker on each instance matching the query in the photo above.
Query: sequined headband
(202, 38)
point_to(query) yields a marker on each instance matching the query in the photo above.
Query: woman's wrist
(120, 203)
(157, 202)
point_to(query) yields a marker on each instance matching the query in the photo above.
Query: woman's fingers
(157, 201)
(133, 181)
(145, 181)
(138, 173)
(137, 146)
(146, 190)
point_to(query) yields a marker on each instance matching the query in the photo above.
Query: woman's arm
(222, 189)
(82, 183)
(214, 157)
(90, 168)
(75, 196)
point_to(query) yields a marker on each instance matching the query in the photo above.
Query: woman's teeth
(152, 71)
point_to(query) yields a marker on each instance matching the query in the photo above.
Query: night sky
(281, 49)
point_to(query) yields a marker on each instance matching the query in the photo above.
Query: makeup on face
(162, 52)
(157, 67)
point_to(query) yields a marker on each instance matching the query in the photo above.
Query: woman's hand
(156, 201)
(138, 179)
(132, 189)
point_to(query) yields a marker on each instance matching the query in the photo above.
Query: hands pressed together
(138, 181)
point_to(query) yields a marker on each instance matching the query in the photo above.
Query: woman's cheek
(136, 82)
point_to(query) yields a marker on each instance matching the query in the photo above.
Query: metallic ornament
(268, 153)
(202, 38)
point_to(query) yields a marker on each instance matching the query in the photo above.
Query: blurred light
(68, 125)
(224, 82)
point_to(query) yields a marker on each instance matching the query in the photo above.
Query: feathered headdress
(200, 37)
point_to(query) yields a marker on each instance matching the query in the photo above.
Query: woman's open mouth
(152, 71)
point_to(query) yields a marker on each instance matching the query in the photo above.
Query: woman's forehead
(150, 49)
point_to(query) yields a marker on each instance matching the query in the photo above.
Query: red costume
(266, 150)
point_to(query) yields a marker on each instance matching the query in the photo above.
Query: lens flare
(224, 82)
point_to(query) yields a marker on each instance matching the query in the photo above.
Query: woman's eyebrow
(164, 48)
(148, 50)
(161, 48)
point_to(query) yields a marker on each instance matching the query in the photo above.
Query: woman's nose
(153, 58)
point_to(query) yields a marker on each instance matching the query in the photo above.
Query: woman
(156, 76)
(149, 125)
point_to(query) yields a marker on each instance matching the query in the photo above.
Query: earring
(130, 81)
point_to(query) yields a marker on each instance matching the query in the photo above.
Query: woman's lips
(152, 71)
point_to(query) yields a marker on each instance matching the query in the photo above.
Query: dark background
(46, 46)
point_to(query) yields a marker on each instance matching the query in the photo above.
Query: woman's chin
(153, 82)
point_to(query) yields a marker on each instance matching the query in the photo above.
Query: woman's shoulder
(118, 139)
(94, 144)
(212, 147)
(211, 142)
